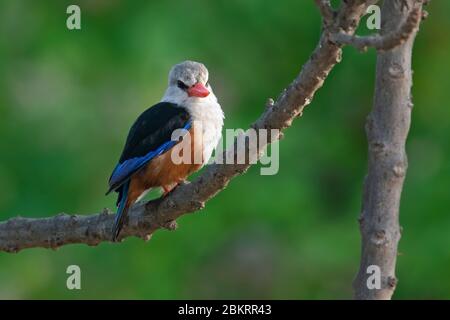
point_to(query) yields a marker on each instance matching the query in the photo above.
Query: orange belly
(163, 172)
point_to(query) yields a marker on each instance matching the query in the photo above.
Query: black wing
(149, 137)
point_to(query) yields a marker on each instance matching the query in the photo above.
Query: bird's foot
(166, 189)
(169, 188)
(182, 182)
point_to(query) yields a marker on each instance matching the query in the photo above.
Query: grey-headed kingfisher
(147, 158)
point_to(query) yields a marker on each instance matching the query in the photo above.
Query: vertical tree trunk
(387, 129)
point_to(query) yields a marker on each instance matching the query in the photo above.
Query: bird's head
(187, 80)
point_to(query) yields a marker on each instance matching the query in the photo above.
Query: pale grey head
(188, 80)
(189, 72)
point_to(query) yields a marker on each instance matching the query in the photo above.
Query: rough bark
(144, 218)
(387, 129)
(387, 41)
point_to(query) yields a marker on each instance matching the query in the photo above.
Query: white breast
(205, 110)
(208, 112)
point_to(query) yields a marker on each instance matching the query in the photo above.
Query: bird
(146, 162)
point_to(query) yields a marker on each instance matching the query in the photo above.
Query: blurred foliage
(68, 98)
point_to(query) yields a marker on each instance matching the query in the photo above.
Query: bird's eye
(207, 84)
(181, 85)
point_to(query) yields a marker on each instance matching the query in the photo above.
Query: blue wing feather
(124, 170)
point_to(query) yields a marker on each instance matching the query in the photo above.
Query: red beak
(198, 90)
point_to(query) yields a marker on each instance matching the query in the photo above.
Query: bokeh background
(68, 98)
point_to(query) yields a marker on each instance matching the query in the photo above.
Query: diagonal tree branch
(386, 41)
(326, 11)
(144, 218)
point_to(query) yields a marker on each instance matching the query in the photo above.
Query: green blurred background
(68, 98)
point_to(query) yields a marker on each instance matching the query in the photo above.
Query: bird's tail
(122, 212)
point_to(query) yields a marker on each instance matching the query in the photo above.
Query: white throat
(206, 110)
